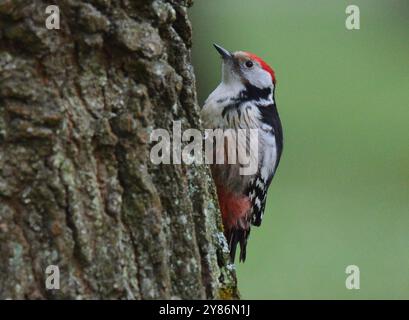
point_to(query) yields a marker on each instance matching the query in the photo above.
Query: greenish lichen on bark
(77, 188)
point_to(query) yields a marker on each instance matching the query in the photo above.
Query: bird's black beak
(223, 52)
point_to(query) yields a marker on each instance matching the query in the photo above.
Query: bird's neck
(251, 93)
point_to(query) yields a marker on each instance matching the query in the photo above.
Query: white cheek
(259, 78)
(229, 77)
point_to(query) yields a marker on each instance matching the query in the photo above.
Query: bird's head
(244, 68)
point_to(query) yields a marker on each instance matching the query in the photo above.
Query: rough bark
(77, 187)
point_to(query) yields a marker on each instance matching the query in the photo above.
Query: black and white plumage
(244, 99)
(257, 190)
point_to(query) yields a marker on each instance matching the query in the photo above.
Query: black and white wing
(257, 190)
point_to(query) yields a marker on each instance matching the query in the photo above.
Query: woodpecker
(245, 99)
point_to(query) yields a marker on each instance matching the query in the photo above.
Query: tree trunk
(77, 187)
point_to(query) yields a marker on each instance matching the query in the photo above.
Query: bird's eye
(249, 63)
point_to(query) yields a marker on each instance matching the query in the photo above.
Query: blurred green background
(341, 194)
